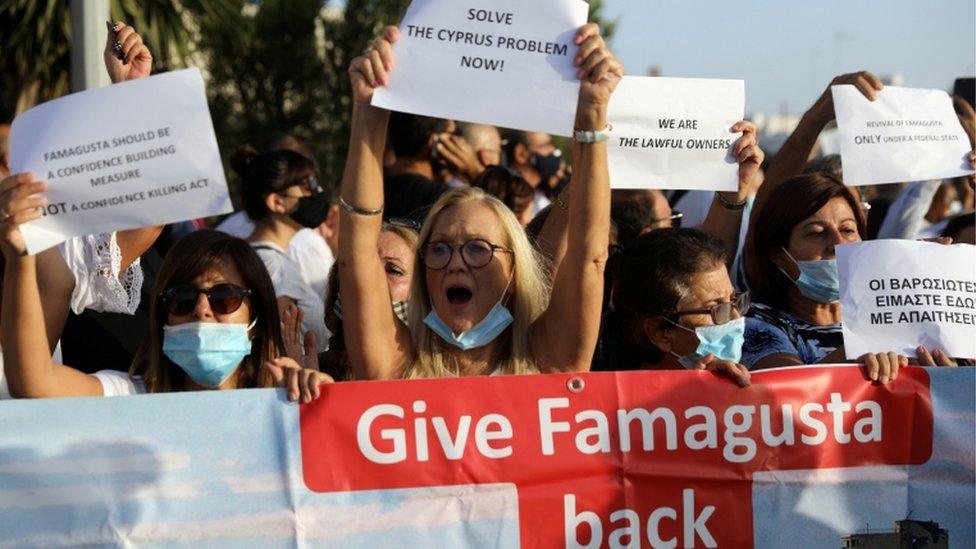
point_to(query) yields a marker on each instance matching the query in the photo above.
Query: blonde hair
(528, 301)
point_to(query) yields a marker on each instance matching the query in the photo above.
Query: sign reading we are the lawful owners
(129, 155)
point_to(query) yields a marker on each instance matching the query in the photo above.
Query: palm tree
(35, 42)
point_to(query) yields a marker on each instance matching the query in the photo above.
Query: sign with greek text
(673, 133)
(508, 63)
(905, 134)
(129, 155)
(625, 459)
(899, 294)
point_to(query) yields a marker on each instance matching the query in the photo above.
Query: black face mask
(547, 165)
(311, 210)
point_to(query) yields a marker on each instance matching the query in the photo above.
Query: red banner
(601, 459)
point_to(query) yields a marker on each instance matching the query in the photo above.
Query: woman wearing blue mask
(479, 302)
(792, 271)
(677, 306)
(213, 325)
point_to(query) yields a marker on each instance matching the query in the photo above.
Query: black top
(410, 195)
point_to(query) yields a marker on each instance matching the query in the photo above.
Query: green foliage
(35, 42)
(270, 65)
(280, 66)
(607, 26)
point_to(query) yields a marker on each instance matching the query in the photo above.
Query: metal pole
(88, 19)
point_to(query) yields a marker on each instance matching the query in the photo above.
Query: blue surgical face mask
(208, 352)
(818, 280)
(722, 340)
(483, 333)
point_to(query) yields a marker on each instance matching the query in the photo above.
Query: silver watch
(590, 136)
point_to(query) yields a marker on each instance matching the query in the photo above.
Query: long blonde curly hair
(529, 298)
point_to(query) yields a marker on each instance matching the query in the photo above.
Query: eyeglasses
(224, 298)
(475, 253)
(722, 312)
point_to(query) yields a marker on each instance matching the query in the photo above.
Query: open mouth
(458, 295)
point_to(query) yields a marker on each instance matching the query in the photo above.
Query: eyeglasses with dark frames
(475, 253)
(224, 298)
(720, 312)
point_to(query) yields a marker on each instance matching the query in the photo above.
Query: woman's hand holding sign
(20, 201)
(599, 74)
(126, 56)
(371, 70)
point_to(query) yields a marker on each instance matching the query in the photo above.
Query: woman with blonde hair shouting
(479, 303)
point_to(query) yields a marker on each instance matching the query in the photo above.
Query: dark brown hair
(652, 276)
(190, 257)
(266, 173)
(789, 204)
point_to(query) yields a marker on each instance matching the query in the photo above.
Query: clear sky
(788, 50)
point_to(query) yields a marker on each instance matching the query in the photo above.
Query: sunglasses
(224, 298)
(721, 312)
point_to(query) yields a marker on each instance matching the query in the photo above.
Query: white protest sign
(899, 294)
(508, 63)
(905, 134)
(128, 155)
(673, 133)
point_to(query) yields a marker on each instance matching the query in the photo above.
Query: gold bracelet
(358, 211)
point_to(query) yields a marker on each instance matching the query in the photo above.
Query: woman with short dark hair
(791, 267)
(677, 304)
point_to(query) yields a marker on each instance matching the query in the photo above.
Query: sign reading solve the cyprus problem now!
(129, 155)
(508, 63)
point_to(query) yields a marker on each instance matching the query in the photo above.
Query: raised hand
(20, 202)
(599, 73)
(372, 69)
(126, 56)
(460, 154)
(867, 83)
(302, 349)
(750, 157)
(301, 383)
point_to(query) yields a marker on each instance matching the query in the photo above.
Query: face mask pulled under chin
(483, 333)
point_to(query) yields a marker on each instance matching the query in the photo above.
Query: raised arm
(26, 349)
(127, 58)
(794, 153)
(565, 336)
(725, 214)
(379, 346)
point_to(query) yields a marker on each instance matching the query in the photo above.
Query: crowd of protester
(456, 249)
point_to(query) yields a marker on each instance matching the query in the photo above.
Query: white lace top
(95, 261)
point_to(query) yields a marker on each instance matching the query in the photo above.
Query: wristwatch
(590, 136)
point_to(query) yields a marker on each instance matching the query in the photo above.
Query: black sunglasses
(224, 298)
